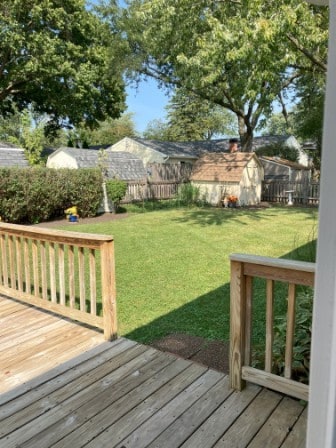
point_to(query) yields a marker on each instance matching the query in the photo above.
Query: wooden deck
(63, 386)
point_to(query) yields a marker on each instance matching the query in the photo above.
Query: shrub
(116, 190)
(188, 194)
(37, 194)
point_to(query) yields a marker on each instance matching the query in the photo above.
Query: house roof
(193, 150)
(12, 157)
(284, 162)
(223, 167)
(123, 165)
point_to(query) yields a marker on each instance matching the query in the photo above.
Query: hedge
(36, 194)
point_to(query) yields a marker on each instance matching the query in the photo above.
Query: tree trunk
(246, 135)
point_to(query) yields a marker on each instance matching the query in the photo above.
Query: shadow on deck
(62, 385)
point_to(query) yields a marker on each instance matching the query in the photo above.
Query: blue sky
(147, 102)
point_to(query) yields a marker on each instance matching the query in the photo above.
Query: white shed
(219, 175)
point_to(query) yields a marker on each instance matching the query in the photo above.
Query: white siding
(147, 155)
(61, 160)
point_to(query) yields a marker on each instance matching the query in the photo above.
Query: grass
(172, 265)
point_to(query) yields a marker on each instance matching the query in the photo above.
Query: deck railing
(244, 268)
(68, 273)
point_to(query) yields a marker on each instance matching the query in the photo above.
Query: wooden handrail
(243, 269)
(60, 271)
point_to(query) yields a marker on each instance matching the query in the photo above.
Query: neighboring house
(286, 140)
(219, 175)
(151, 151)
(121, 165)
(284, 170)
(12, 157)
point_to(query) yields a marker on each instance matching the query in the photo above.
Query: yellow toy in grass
(72, 214)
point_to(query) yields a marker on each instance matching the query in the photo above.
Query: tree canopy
(58, 56)
(242, 55)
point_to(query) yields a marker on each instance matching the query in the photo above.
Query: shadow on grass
(217, 216)
(208, 316)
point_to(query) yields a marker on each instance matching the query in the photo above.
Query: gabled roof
(123, 165)
(284, 162)
(222, 167)
(193, 150)
(12, 157)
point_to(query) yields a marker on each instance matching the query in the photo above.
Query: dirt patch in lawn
(213, 354)
(104, 217)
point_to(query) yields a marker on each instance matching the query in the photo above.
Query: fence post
(108, 290)
(237, 324)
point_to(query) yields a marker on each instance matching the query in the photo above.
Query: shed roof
(12, 157)
(223, 167)
(123, 165)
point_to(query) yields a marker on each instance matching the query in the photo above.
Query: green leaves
(239, 55)
(54, 54)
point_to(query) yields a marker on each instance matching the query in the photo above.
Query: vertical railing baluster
(18, 249)
(248, 319)
(4, 260)
(26, 261)
(290, 330)
(269, 325)
(93, 282)
(71, 264)
(81, 277)
(61, 273)
(11, 253)
(35, 268)
(44, 270)
(52, 272)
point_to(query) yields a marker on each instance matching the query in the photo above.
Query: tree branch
(316, 61)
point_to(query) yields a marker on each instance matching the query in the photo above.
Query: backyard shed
(219, 175)
(12, 157)
(121, 165)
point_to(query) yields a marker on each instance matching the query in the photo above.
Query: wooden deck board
(62, 385)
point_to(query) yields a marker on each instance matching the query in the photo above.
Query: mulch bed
(213, 354)
(104, 217)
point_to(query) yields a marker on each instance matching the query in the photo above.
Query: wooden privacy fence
(244, 268)
(139, 191)
(69, 273)
(305, 193)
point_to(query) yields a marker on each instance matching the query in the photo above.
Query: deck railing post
(237, 324)
(108, 290)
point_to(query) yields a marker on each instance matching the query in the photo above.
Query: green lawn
(172, 266)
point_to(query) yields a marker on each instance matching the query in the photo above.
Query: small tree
(116, 190)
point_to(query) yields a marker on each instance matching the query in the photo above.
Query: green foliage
(111, 131)
(191, 118)
(279, 150)
(302, 338)
(38, 194)
(156, 130)
(243, 56)
(116, 190)
(54, 55)
(188, 194)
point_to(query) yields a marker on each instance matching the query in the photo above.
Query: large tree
(53, 54)
(193, 118)
(240, 54)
